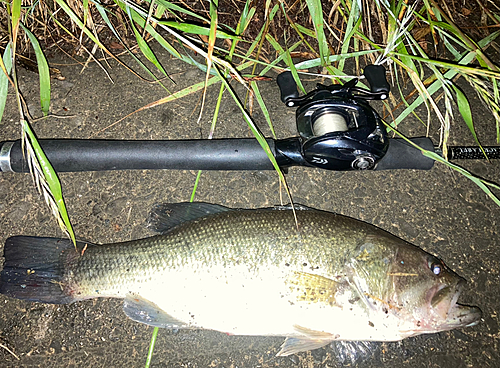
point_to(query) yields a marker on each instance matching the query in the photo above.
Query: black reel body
(341, 134)
(338, 128)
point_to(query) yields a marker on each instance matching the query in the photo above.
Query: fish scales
(254, 238)
(322, 278)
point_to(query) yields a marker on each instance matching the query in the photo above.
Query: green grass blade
(176, 8)
(151, 347)
(488, 39)
(102, 12)
(441, 81)
(263, 30)
(43, 71)
(464, 108)
(313, 63)
(15, 20)
(52, 181)
(184, 92)
(244, 21)
(79, 23)
(258, 135)
(43, 174)
(187, 42)
(195, 187)
(139, 19)
(245, 18)
(4, 77)
(160, 9)
(306, 31)
(483, 72)
(85, 4)
(258, 96)
(316, 11)
(287, 59)
(433, 88)
(197, 29)
(294, 26)
(495, 102)
(144, 47)
(278, 59)
(480, 56)
(353, 23)
(152, 6)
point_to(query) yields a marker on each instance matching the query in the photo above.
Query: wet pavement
(438, 210)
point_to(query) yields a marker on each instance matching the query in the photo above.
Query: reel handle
(288, 87)
(375, 75)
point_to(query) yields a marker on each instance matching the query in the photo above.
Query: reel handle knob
(375, 75)
(288, 88)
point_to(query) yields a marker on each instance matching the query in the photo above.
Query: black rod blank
(68, 155)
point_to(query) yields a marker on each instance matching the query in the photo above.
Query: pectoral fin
(307, 287)
(144, 311)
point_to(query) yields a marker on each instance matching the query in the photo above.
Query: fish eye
(435, 266)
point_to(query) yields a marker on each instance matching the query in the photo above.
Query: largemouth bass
(322, 278)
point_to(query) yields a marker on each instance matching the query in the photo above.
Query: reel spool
(328, 121)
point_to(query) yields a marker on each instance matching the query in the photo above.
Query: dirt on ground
(438, 210)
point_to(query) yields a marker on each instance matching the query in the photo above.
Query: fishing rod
(338, 130)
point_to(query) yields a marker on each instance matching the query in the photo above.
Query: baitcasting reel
(338, 128)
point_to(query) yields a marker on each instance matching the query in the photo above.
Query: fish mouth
(451, 314)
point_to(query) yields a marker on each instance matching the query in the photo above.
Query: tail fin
(34, 269)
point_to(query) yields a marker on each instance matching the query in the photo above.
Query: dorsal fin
(165, 216)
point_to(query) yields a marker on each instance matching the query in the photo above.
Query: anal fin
(144, 311)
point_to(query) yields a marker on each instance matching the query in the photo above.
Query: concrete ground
(438, 210)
